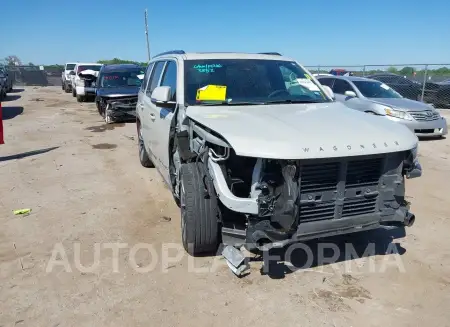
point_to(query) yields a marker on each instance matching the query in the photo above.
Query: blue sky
(341, 32)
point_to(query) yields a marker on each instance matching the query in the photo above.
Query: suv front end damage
(283, 201)
(118, 107)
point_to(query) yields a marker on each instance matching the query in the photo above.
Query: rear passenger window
(170, 79)
(154, 78)
(146, 76)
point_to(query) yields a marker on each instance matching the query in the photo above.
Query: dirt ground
(86, 188)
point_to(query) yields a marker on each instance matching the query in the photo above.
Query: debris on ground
(21, 211)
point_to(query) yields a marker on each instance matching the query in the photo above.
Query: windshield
(70, 66)
(121, 79)
(250, 81)
(373, 89)
(86, 67)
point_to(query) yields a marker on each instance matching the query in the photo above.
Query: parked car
(371, 96)
(407, 88)
(263, 160)
(437, 93)
(9, 79)
(117, 91)
(66, 82)
(82, 77)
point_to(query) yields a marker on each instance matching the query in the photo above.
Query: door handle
(152, 116)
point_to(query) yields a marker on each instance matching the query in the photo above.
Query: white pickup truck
(83, 80)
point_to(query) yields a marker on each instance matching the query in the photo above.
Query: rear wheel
(143, 155)
(199, 211)
(80, 98)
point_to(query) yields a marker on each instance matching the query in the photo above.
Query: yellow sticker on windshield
(212, 93)
(307, 76)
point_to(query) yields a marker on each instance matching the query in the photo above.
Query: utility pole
(146, 35)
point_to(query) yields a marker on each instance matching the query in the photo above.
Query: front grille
(319, 177)
(358, 206)
(427, 115)
(311, 212)
(363, 172)
(424, 131)
(343, 188)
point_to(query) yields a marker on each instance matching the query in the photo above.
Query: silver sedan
(374, 97)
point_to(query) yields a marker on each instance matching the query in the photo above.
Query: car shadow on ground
(27, 154)
(325, 251)
(16, 90)
(10, 97)
(11, 112)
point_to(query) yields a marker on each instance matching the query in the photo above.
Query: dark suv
(117, 91)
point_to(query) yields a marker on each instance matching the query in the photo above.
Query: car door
(140, 102)
(149, 111)
(164, 116)
(340, 86)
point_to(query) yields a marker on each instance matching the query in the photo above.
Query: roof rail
(271, 53)
(170, 52)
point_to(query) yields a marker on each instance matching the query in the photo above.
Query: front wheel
(143, 155)
(199, 211)
(74, 92)
(80, 98)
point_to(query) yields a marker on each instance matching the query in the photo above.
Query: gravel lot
(85, 186)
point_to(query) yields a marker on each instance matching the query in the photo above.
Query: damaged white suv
(257, 153)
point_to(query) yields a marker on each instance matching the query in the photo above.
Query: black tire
(63, 86)
(143, 155)
(199, 211)
(66, 87)
(80, 98)
(74, 92)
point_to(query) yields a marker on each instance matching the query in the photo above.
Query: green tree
(392, 70)
(407, 71)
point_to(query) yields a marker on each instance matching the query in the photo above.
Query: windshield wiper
(291, 101)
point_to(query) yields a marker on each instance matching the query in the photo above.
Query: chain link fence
(35, 75)
(423, 82)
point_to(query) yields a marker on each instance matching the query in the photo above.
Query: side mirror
(350, 94)
(161, 95)
(328, 91)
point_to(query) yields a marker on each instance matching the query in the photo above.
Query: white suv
(66, 82)
(257, 152)
(83, 80)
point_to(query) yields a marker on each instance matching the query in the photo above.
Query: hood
(402, 104)
(88, 72)
(303, 131)
(118, 91)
